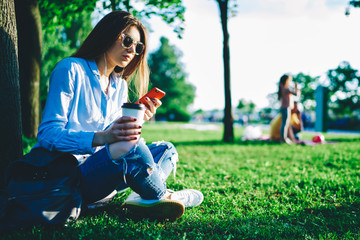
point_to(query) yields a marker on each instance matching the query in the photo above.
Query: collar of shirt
(113, 84)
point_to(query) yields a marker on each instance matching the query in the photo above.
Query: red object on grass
(319, 138)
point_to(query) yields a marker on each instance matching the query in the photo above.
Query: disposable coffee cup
(134, 110)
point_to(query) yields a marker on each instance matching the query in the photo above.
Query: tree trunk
(10, 120)
(113, 5)
(29, 42)
(228, 118)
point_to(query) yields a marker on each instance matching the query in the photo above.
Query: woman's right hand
(122, 129)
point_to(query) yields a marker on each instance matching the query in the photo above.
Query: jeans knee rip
(158, 142)
(150, 170)
(146, 171)
(174, 160)
(137, 169)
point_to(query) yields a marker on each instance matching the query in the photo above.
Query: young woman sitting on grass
(83, 117)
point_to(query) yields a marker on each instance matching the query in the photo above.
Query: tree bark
(10, 120)
(29, 43)
(228, 117)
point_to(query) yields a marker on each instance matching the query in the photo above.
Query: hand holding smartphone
(153, 93)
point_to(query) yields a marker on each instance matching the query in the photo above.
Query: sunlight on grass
(253, 190)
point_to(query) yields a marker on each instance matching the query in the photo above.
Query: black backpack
(42, 188)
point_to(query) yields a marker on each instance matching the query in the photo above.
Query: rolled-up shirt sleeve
(53, 133)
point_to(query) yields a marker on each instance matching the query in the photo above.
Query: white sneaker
(161, 209)
(189, 197)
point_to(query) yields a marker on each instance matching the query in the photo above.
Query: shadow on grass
(329, 222)
(116, 210)
(100, 219)
(113, 209)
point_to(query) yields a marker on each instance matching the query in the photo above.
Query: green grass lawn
(253, 190)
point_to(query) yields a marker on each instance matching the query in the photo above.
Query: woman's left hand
(151, 106)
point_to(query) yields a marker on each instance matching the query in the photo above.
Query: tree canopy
(355, 3)
(56, 13)
(170, 11)
(307, 84)
(246, 107)
(168, 74)
(352, 3)
(344, 89)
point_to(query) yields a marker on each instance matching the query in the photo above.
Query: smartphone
(153, 93)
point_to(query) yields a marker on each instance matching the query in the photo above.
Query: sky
(267, 39)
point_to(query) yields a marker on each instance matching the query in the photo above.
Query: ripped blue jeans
(144, 169)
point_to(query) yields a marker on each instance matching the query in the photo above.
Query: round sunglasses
(128, 41)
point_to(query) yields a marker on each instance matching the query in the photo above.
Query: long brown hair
(282, 82)
(103, 36)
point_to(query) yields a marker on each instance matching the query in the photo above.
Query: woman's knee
(118, 149)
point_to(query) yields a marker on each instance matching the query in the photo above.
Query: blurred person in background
(286, 101)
